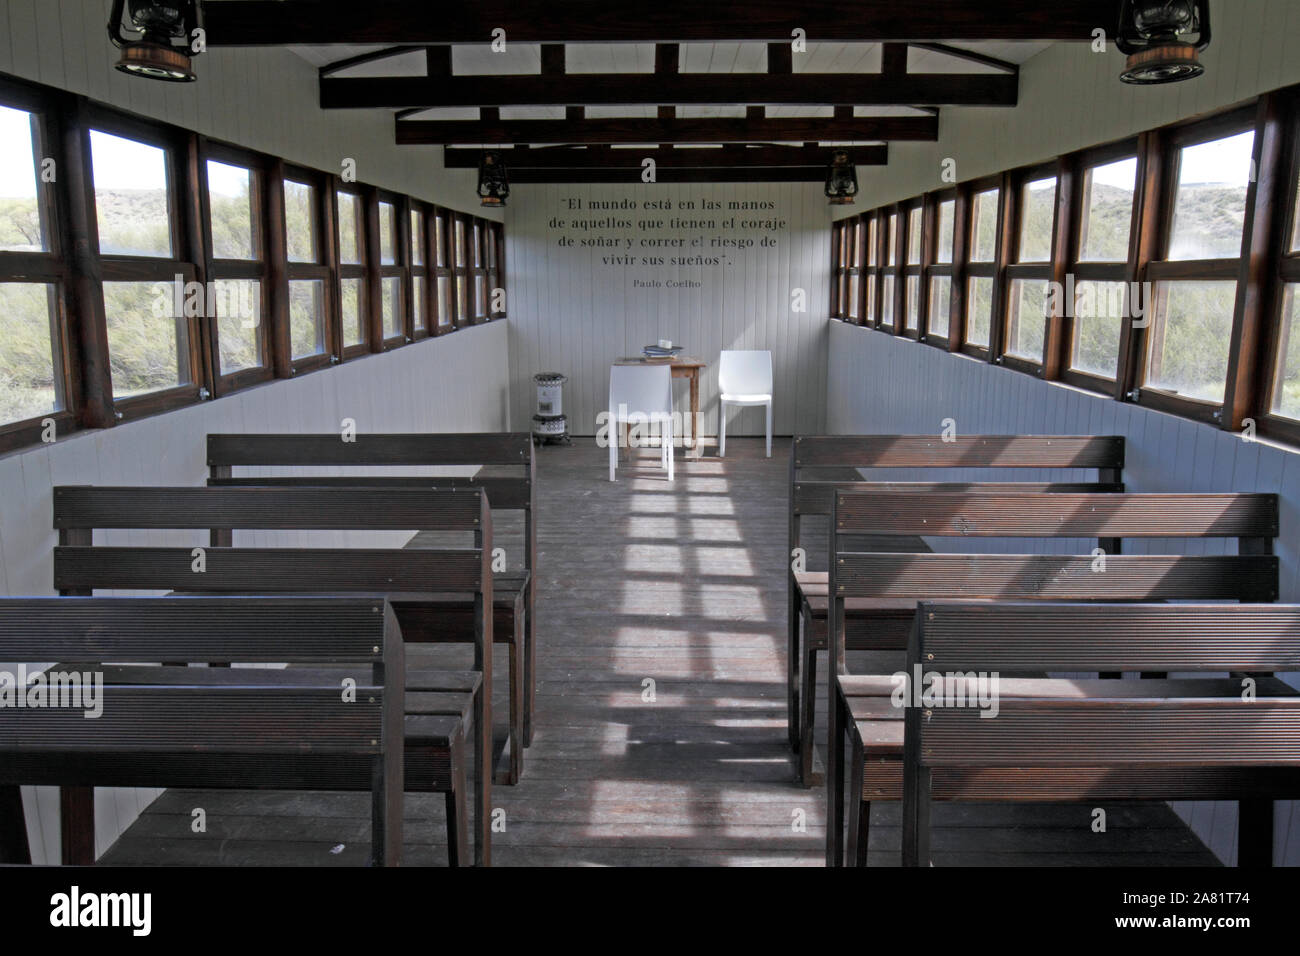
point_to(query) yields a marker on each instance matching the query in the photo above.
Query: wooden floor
(681, 585)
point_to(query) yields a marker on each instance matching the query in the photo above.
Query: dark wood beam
(437, 61)
(257, 23)
(371, 57)
(721, 174)
(797, 129)
(570, 158)
(667, 58)
(970, 56)
(780, 58)
(791, 89)
(553, 62)
(893, 60)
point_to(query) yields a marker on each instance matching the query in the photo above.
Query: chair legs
(769, 428)
(722, 429)
(858, 810)
(457, 816)
(807, 710)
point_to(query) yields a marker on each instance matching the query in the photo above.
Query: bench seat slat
(974, 451)
(419, 448)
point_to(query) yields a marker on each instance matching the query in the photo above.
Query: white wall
(452, 383)
(571, 313)
(264, 99)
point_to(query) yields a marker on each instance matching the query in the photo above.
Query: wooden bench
(507, 474)
(822, 464)
(205, 727)
(1069, 740)
(405, 576)
(886, 587)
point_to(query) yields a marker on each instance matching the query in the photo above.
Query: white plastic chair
(641, 395)
(744, 379)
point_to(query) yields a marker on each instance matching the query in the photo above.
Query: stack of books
(657, 351)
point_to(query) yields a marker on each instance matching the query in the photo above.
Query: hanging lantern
(163, 50)
(1163, 39)
(493, 186)
(841, 179)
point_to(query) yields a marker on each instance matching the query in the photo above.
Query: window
(981, 267)
(939, 271)
(495, 270)
(308, 275)
(912, 272)
(238, 273)
(443, 302)
(889, 274)
(460, 268)
(419, 272)
(1194, 287)
(392, 271)
(353, 294)
(151, 308)
(1107, 193)
(846, 288)
(33, 378)
(1025, 332)
(871, 308)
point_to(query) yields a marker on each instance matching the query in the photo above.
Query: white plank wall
(264, 99)
(1071, 98)
(879, 384)
(453, 383)
(571, 313)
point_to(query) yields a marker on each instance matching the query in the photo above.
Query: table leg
(695, 413)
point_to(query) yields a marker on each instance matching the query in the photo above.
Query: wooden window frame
(323, 269)
(1160, 192)
(398, 269)
(871, 229)
(993, 270)
(1017, 271)
(458, 237)
(344, 270)
(909, 270)
(444, 313)
(952, 270)
(890, 267)
(419, 326)
(496, 252)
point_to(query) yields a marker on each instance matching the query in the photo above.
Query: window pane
(387, 235)
(148, 343)
(1026, 319)
(131, 202)
(22, 226)
(480, 297)
(31, 380)
(913, 303)
(350, 212)
(984, 226)
(354, 310)
(230, 200)
(873, 255)
(1286, 391)
(887, 303)
(476, 245)
(459, 250)
(420, 291)
(1107, 211)
(462, 297)
(1210, 207)
(891, 249)
(392, 305)
(1098, 319)
(871, 298)
(1188, 352)
(239, 323)
(440, 240)
(307, 317)
(940, 305)
(444, 300)
(417, 237)
(914, 236)
(300, 221)
(979, 310)
(854, 287)
(943, 249)
(1038, 209)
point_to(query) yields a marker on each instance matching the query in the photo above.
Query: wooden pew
(406, 576)
(507, 475)
(822, 464)
(887, 586)
(190, 727)
(1069, 740)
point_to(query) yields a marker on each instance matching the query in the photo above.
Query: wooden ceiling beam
(257, 23)
(570, 158)
(863, 129)
(789, 89)
(719, 174)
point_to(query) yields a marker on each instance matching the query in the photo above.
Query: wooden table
(683, 366)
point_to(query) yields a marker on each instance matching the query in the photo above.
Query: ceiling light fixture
(493, 182)
(841, 179)
(1163, 39)
(167, 29)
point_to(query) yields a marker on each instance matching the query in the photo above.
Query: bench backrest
(1249, 575)
(203, 732)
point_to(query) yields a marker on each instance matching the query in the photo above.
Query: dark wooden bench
(822, 464)
(506, 473)
(1069, 740)
(887, 586)
(405, 576)
(205, 727)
